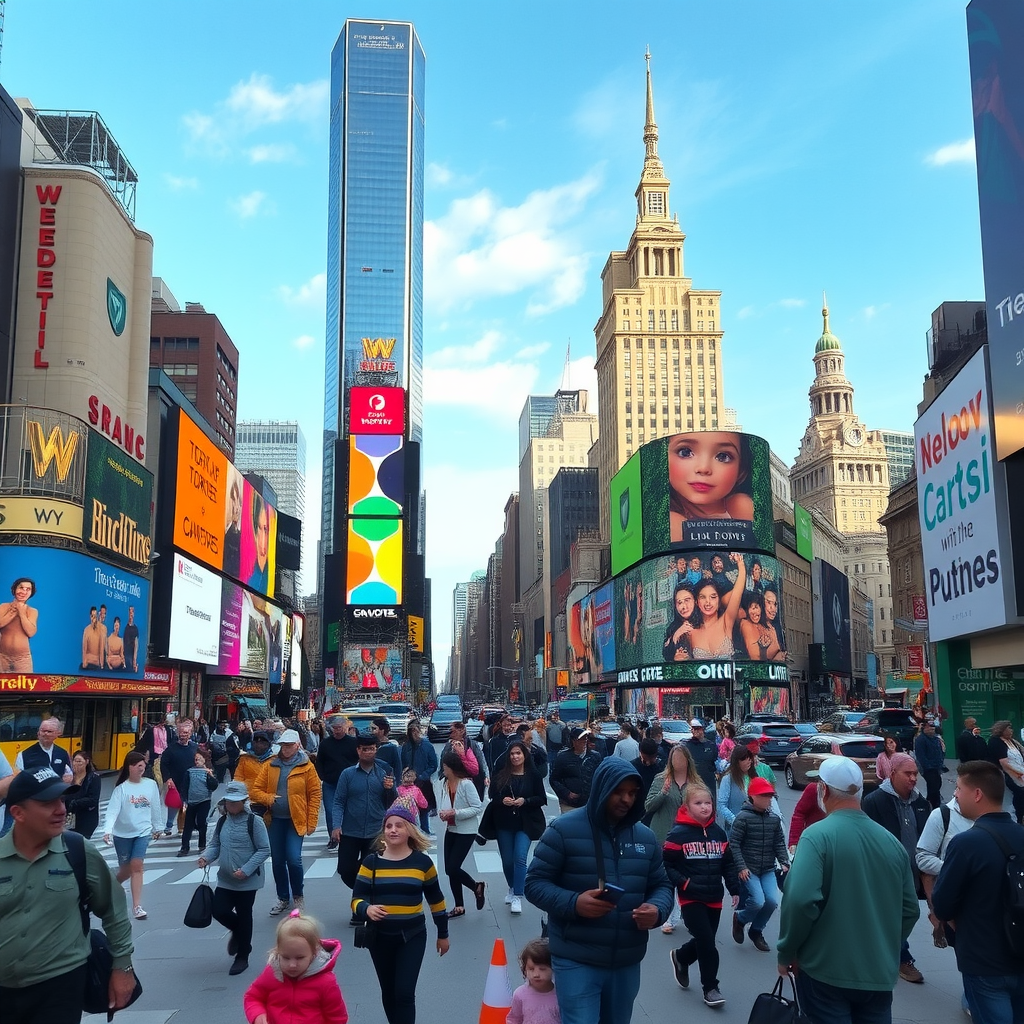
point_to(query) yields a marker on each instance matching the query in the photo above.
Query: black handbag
(774, 1008)
(98, 969)
(486, 830)
(364, 934)
(200, 908)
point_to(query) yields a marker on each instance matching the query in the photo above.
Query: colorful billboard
(48, 517)
(376, 475)
(592, 635)
(118, 504)
(258, 554)
(995, 34)
(376, 411)
(374, 570)
(960, 490)
(627, 516)
(199, 495)
(289, 541)
(69, 614)
(694, 491)
(371, 668)
(251, 635)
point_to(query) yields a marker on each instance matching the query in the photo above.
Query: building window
(656, 203)
(650, 320)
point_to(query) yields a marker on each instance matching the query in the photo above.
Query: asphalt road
(184, 971)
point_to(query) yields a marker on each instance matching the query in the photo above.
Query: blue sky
(810, 146)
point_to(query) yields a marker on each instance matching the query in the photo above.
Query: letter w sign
(54, 448)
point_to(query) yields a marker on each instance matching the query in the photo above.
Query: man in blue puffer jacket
(598, 937)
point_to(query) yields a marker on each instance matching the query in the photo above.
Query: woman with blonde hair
(666, 795)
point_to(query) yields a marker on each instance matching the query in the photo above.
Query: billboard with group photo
(693, 491)
(69, 614)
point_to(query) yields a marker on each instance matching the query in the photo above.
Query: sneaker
(517, 905)
(757, 938)
(737, 928)
(182, 853)
(667, 929)
(241, 963)
(679, 969)
(508, 898)
(908, 972)
(332, 845)
(299, 903)
(140, 914)
(714, 998)
(279, 907)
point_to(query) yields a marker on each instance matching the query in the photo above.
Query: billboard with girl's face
(592, 635)
(696, 490)
(259, 541)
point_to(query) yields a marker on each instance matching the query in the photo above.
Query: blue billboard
(69, 614)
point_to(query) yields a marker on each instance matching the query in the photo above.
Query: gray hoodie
(233, 847)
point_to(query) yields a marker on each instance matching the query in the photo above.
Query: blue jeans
(513, 847)
(329, 788)
(762, 900)
(129, 848)
(995, 999)
(595, 995)
(286, 857)
(827, 1004)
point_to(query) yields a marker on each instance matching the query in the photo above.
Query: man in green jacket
(843, 940)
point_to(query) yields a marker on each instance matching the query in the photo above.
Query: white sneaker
(509, 898)
(140, 914)
(517, 905)
(279, 907)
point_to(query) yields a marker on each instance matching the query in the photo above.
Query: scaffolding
(81, 139)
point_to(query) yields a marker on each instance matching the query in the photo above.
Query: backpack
(219, 744)
(1013, 906)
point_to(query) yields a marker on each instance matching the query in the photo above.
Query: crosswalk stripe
(192, 878)
(488, 862)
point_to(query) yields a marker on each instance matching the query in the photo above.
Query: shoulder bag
(199, 913)
(774, 1008)
(364, 935)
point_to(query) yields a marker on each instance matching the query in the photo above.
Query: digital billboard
(68, 614)
(376, 411)
(371, 668)
(251, 635)
(592, 635)
(804, 532)
(199, 495)
(699, 490)
(995, 35)
(960, 489)
(626, 516)
(376, 475)
(374, 569)
(289, 541)
(830, 616)
(118, 504)
(195, 613)
(259, 541)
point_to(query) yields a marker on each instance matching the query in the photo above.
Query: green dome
(828, 342)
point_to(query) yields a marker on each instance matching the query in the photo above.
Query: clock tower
(841, 469)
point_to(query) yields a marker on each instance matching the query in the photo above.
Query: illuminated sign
(377, 355)
(199, 495)
(40, 515)
(374, 571)
(102, 417)
(376, 475)
(416, 633)
(376, 411)
(46, 260)
(86, 684)
(55, 448)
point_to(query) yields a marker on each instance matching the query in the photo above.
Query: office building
(899, 451)
(573, 508)
(192, 347)
(659, 339)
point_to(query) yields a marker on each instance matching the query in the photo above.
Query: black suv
(898, 722)
(776, 740)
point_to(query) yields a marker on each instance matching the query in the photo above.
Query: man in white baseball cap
(839, 976)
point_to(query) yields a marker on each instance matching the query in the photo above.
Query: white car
(676, 730)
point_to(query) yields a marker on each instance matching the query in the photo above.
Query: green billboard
(626, 516)
(804, 533)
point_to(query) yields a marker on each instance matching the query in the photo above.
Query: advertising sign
(44, 453)
(960, 487)
(416, 633)
(830, 616)
(804, 532)
(195, 613)
(258, 554)
(915, 659)
(71, 615)
(995, 34)
(371, 668)
(592, 635)
(30, 684)
(118, 503)
(626, 516)
(199, 495)
(289, 541)
(376, 410)
(374, 570)
(376, 475)
(920, 610)
(702, 490)
(47, 516)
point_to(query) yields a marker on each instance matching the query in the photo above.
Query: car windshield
(780, 730)
(863, 748)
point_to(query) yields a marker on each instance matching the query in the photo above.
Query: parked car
(676, 730)
(863, 749)
(439, 728)
(777, 740)
(806, 729)
(763, 717)
(398, 714)
(844, 721)
(898, 722)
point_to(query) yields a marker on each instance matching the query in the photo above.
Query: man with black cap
(704, 752)
(43, 949)
(363, 793)
(250, 761)
(573, 771)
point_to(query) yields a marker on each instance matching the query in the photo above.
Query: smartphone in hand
(611, 893)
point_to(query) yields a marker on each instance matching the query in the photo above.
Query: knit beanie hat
(900, 762)
(402, 809)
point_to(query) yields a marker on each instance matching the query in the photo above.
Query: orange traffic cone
(497, 991)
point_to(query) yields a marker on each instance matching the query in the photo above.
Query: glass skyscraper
(375, 229)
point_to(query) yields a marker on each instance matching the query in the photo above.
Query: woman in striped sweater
(388, 894)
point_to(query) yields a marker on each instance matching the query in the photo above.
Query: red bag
(173, 798)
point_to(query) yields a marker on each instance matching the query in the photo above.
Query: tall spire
(824, 311)
(650, 128)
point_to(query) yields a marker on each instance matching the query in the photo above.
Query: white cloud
(531, 351)
(437, 175)
(477, 352)
(248, 206)
(498, 389)
(870, 312)
(303, 341)
(251, 106)
(312, 293)
(954, 153)
(792, 303)
(745, 312)
(180, 184)
(273, 153)
(480, 249)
